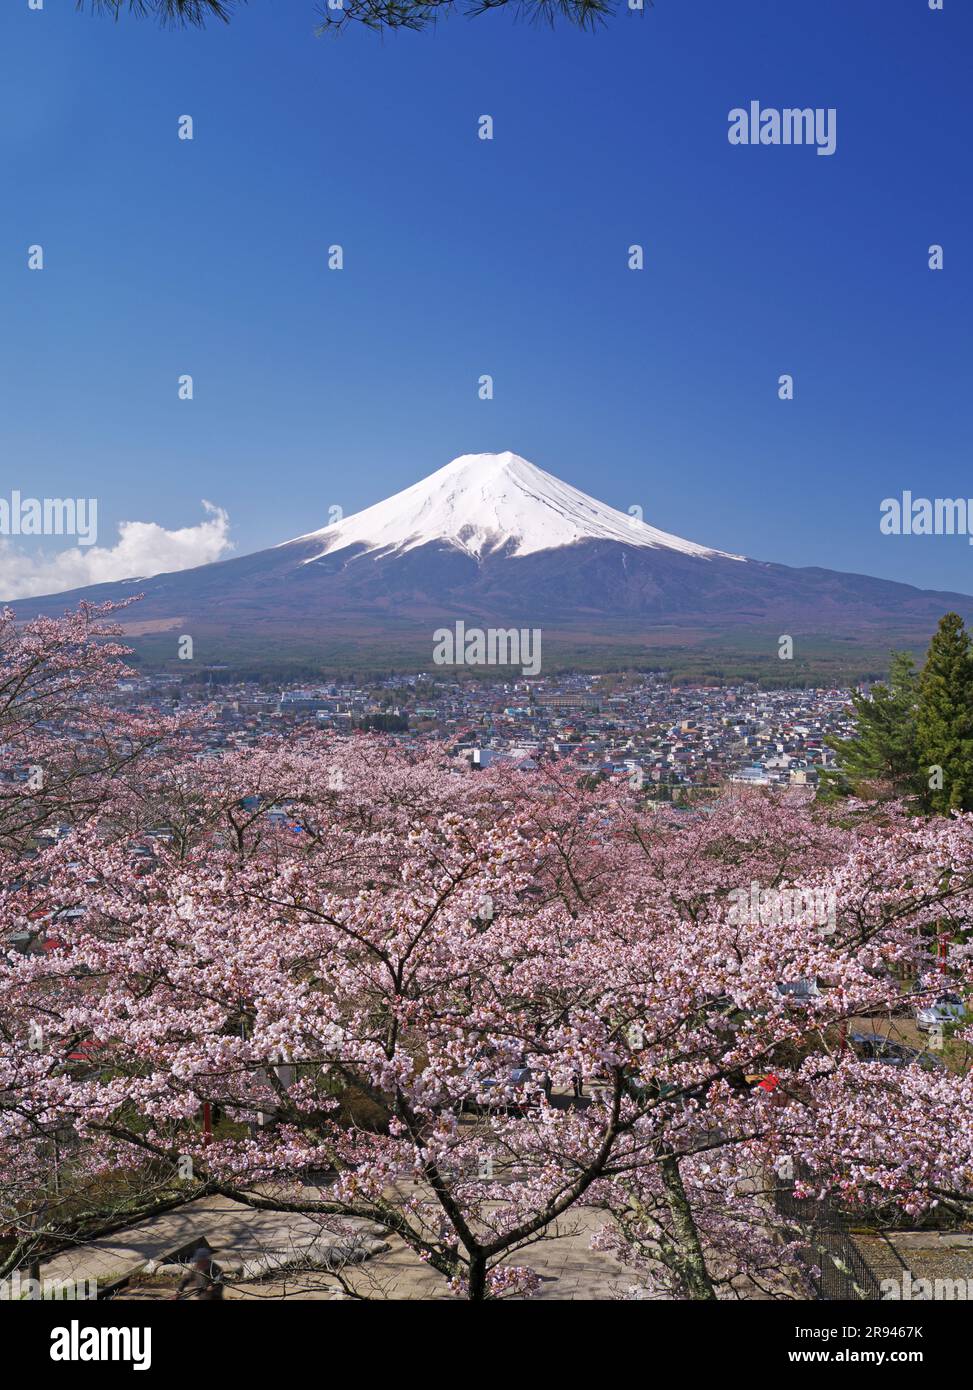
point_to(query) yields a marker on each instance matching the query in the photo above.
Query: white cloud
(144, 548)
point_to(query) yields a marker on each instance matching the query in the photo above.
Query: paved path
(240, 1238)
(253, 1247)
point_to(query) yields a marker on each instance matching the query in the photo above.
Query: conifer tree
(944, 720)
(380, 15)
(883, 748)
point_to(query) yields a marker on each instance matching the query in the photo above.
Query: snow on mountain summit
(481, 502)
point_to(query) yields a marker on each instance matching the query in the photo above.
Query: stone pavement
(255, 1247)
(568, 1268)
(249, 1245)
(908, 1256)
(243, 1241)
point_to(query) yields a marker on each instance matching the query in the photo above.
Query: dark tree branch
(175, 12)
(337, 15)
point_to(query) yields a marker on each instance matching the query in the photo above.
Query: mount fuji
(487, 504)
(495, 540)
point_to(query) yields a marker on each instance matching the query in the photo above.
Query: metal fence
(834, 1266)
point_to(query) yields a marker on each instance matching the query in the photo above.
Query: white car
(948, 1008)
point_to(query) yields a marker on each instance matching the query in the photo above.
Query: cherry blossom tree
(356, 982)
(64, 748)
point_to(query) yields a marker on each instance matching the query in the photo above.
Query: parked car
(493, 1092)
(875, 1047)
(947, 1008)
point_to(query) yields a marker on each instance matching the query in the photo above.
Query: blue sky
(316, 388)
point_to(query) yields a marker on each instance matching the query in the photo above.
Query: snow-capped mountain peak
(484, 502)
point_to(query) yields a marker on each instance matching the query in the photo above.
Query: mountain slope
(492, 540)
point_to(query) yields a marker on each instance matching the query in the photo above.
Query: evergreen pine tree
(944, 721)
(883, 748)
